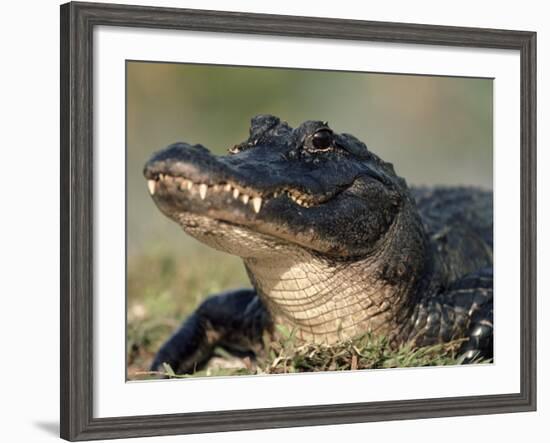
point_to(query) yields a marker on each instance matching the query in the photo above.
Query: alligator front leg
(235, 320)
(480, 330)
(463, 311)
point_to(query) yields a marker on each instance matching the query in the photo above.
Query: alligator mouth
(229, 192)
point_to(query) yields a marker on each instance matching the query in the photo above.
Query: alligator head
(286, 198)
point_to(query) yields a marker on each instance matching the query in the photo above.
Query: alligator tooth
(245, 198)
(216, 188)
(227, 187)
(183, 184)
(151, 184)
(236, 193)
(257, 203)
(202, 190)
(189, 185)
(161, 176)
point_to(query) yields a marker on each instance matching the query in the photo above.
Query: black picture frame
(77, 218)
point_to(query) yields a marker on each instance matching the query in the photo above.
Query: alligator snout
(184, 160)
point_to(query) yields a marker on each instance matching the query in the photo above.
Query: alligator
(334, 242)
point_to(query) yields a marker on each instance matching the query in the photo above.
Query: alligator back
(459, 224)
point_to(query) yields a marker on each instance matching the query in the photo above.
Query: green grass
(163, 290)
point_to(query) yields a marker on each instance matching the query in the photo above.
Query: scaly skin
(334, 242)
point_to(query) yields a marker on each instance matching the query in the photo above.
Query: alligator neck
(326, 300)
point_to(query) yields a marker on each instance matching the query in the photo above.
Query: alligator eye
(322, 139)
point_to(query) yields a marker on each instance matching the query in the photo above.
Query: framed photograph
(273, 221)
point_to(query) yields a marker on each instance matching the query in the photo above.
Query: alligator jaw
(228, 192)
(230, 205)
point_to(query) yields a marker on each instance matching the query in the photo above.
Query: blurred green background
(435, 130)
